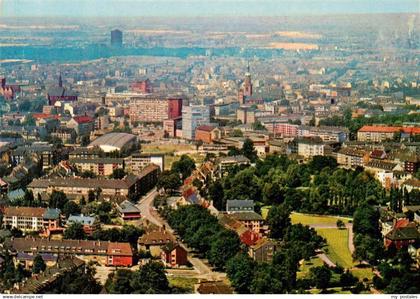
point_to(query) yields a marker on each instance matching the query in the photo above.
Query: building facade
(194, 116)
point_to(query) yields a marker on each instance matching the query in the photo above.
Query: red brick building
(173, 255)
(207, 134)
(60, 93)
(174, 108)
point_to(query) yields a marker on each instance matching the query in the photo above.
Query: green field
(337, 245)
(306, 265)
(184, 283)
(307, 219)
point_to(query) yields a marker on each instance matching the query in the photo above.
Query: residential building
(351, 158)
(66, 135)
(383, 133)
(31, 219)
(60, 93)
(194, 116)
(174, 255)
(225, 163)
(130, 186)
(263, 251)
(308, 147)
(138, 161)
(99, 166)
(153, 241)
(83, 125)
(105, 253)
(327, 134)
(128, 211)
(402, 234)
(116, 38)
(252, 221)
(9, 92)
(150, 108)
(233, 206)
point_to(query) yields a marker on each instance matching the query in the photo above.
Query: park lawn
(185, 283)
(337, 245)
(362, 273)
(307, 265)
(166, 148)
(308, 219)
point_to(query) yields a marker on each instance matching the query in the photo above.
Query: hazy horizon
(196, 8)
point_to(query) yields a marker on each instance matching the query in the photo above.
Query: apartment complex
(105, 253)
(99, 166)
(310, 147)
(130, 186)
(138, 161)
(154, 109)
(383, 133)
(327, 134)
(31, 219)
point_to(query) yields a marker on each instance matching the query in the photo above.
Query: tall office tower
(116, 38)
(194, 116)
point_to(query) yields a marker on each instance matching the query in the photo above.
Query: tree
(240, 270)
(74, 232)
(57, 199)
(88, 174)
(28, 199)
(278, 220)
(168, 181)
(71, 208)
(340, 224)
(320, 276)
(118, 174)
(224, 245)
(184, 166)
(85, 140)
(268, 280)
(150, 279)
(38, 265)
(347, 279)
(244, 185)
(119, 282)
(216, 194)
(248, 150)
(91, 196)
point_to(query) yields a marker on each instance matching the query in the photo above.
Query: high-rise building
(194, 116)
(116, 38)
(149, 108)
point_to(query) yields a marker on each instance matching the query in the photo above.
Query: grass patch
(307, 219)
(184, 283)
(362, 273)
(337, 245)
(307, 265)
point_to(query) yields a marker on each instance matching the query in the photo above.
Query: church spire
(60, 81)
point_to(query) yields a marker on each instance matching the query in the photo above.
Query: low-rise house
(66, 135)
(251, 220)
(83, 125)
(153, 241)
(263, 251)
(27, 259)
(105, 253)
(4, 186)
(402, 234)
(246, 235)
(128, 211)
(233, 206)
(174, 255)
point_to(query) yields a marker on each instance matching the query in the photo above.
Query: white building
(194, 116)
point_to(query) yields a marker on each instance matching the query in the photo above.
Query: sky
(188, 8)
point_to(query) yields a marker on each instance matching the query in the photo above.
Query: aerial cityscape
(210, 147)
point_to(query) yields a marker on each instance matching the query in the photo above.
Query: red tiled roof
(205, 128)
(388, 129)
(45, 115)
(121, 249)
(24, 211)
(83, 119)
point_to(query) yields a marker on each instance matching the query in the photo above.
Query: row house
(105, 253)
(327, 134)
(384, 133)
(352, 158)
